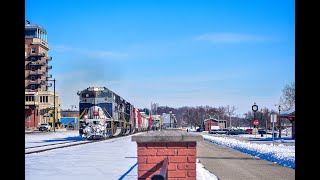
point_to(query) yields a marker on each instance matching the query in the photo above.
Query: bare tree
(288, 96)
(230, 110)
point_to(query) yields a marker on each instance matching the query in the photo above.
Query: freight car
(104, 114)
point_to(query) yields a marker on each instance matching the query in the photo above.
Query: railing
(49, 58)
(163, 172)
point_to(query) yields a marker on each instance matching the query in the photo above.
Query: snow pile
(283, 155)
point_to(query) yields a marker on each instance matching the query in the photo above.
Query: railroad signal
(256, 122)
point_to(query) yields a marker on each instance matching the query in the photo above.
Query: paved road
(229, 164)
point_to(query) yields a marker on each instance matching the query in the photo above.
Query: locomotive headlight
(85, 116)
(102, 116)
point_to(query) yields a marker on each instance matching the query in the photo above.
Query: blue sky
(175, 53)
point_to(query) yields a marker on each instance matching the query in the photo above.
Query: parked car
(213, 131)
(249, 131)
(222, 131)
(236, 132)
(262, 131)
(44, 127)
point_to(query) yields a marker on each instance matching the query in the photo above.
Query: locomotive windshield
(104, 94)
(89, 94)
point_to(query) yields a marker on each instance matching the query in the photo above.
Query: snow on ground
(114, 159)
(279, 153)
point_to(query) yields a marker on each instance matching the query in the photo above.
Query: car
(262, 131)
(44, 127)
(222, 131)
(236, 132)
(249, 131)
(213, 131)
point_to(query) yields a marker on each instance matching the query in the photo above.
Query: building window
(46, 100)
(32, 58)
(33, 78)
(33, 87)
(41, 98)
(33, 50)
(33, 68)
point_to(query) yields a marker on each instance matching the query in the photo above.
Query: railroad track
(48, 147)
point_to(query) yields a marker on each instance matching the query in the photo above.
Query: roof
(288, 114)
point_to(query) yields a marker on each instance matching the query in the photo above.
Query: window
(33, 68)
(41, 98)
(33, 58)
(33, 50)
(46, 98)
(33, 78)
(33, 87)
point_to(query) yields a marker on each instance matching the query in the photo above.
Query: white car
(44, 127)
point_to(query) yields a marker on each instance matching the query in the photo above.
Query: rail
(163, 172)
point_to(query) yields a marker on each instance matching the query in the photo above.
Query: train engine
(103, 114)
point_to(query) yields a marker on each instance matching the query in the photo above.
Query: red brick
(172, 179)
(192, 145)
(172, 167)
(142, 146)
(192, 173)
(142, 160)
(148, 167)
(155, 159)
(179, 159)
(177, 145)
(157, 145)
(187, 152)
(192, 159)
(147, 152)
(187, 166)
(176, 174)
(166, 152)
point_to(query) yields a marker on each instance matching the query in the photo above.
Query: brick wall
(181, 159)
(179, 147)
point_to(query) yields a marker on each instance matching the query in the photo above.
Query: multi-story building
(36, 59)
(39, 101)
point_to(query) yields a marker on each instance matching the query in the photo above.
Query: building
(36, 59)
(39, 101)
(169, 120)
(39, 108)
(213, 123)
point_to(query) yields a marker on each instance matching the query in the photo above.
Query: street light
(170, 117)
(54, 103)
(254, 109)
(279, 108)
(34, 111)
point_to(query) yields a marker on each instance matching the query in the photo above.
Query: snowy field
(114, 159)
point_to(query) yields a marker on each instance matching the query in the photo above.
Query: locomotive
(104, 114)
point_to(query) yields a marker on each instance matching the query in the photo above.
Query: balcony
(49, 76)
(36, 81)
(49, 67)
(38, 63)
(36, 72)
(49, 58)
(49, 85)
(38, 54)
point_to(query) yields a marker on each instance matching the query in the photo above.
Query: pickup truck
(44, 127)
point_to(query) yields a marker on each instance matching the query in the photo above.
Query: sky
(102, 160)
(174, 53)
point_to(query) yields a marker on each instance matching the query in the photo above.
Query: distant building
(169, 119)
(213, 123)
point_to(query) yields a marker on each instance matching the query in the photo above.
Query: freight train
(104, 114)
